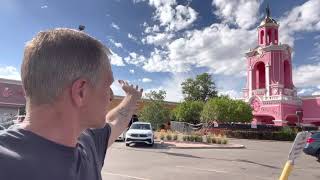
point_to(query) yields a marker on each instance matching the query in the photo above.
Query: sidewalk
(194, 145)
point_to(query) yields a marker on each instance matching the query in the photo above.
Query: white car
(140, 132)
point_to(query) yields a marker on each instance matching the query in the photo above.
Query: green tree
(224, 109)
(201, 88)
(155, 111)
(189, 111)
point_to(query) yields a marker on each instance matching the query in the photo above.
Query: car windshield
(141, 126)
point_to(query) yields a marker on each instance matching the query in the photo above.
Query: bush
(198, 138)
(224, 141)
(209, 139)
(169, 137)
(214, 140)
(162, 136)
(185, 138)
(192, 138)
(218, 140)
(175, 137)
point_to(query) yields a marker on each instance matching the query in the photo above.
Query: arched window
(275, 36)
(269, 40)
(260, 76)
(261, 36)
(286, 73)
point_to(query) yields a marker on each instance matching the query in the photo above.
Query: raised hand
(130, 89)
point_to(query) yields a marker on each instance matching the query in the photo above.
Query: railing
(259, 91)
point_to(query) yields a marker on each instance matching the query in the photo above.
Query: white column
(250, 83)
(267, 79)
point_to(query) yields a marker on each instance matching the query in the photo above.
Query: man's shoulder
(8, 146)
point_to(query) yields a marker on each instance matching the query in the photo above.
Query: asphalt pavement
(260, 160)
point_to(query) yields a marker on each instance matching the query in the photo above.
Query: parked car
(313, 145)
(140, 132)
(122, 136)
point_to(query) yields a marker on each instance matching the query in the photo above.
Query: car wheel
(318, 155)
(127, 144)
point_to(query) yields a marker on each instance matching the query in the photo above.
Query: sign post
(296, 149)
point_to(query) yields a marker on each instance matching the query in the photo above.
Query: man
(66, 76)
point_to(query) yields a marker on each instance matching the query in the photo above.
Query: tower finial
(268, 10)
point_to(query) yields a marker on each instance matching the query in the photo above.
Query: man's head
(68, 66)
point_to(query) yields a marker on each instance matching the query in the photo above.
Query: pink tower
(269, 89)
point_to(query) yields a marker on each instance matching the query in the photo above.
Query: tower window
(261, 36)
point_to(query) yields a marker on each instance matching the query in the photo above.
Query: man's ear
(79, 92)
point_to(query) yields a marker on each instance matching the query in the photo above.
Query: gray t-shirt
(26, 155)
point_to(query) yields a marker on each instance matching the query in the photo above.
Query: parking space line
(209, 170)
(123, 175)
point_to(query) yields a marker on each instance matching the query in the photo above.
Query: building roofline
(310, 97)
(10, 81)
(143, 99)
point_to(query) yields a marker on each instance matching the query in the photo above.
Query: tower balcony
(259, 91)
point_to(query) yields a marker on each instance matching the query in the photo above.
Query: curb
(174, 146)
(239, 147)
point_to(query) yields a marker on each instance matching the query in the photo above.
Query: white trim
(279, 120)
(250, 84)
(10, 81)
(267, 79)
(4, 103)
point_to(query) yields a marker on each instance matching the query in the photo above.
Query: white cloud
(117, 44)
(305, 90)
(131, 71)
(231, 93)
(9, 72)
(316, 93)
(243, 13)
(307, 75)
(44, 7)
(172, 86)
(115, 26)
(135, 59)
(130, 36)
(152, 29)
(116, 59)
(303, 18)
(146, 80)
(172, 16)
(158, 39)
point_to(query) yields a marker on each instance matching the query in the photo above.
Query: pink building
(11, 98)
(270, 89)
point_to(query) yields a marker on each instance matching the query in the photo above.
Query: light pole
(299, 116)
(81, 27)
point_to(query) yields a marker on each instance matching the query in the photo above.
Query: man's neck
(53, 124)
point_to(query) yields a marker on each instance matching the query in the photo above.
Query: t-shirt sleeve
(101, 137)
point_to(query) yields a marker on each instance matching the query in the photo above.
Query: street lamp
(81, 27)
(299, 116)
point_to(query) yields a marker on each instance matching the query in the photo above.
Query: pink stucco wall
(311, 110)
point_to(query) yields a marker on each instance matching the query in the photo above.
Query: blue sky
(159, 43)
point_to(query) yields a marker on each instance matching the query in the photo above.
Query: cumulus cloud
(116, 59)
(152, 29)
(130, 36)
(135, 59)
(307, 75)
(172, 16)
(117, 44)
(303, 18)
(146, 80)
(243, 13)
(131, 71)
(231, 93)
(9, 72)
(159, 39)
(115, 26)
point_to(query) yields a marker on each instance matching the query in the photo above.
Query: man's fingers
(137, 87)
(141, 90)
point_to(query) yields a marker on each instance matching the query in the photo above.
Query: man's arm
(119, 117)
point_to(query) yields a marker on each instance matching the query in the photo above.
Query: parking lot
(259, 160)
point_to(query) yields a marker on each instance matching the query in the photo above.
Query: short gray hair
(54, 59)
